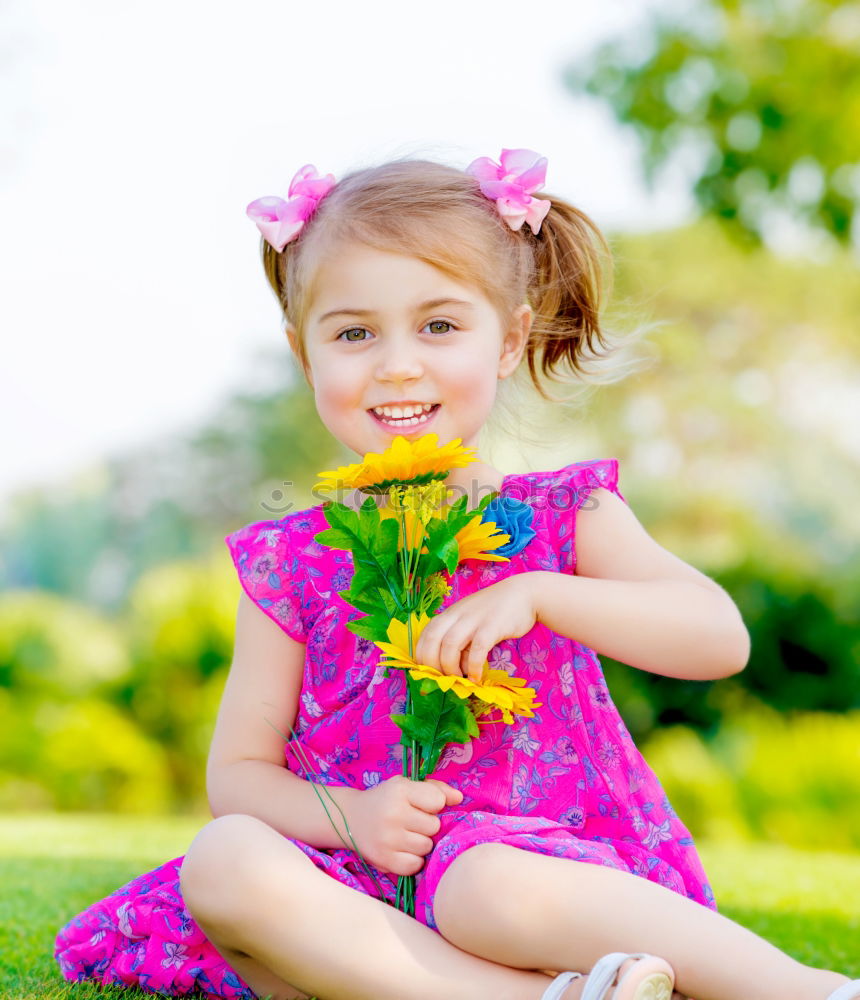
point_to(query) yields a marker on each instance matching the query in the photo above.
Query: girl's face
(394, 346)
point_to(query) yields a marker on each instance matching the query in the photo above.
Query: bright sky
(132, 136)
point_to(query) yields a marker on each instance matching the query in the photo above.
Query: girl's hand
(458, 639)
(392, 823)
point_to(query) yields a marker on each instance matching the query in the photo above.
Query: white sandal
(659, 982)
(847, 991)
(555, 990)
(651, 978)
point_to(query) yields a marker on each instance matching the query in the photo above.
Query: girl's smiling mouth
(405, 416)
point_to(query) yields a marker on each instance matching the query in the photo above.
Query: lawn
(54, 866)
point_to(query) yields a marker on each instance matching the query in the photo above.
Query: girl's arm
(633, 600)
(246, 772)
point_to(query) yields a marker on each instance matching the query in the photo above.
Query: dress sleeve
(270, 572)
(572, 490)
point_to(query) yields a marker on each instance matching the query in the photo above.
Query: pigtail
(276, 266)
(571, 257)
(275, 270)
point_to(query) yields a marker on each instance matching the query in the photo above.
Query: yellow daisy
(478, 538)
(404, 462)
(398, 634)
(496, 688)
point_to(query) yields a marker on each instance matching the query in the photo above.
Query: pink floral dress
(569, 782)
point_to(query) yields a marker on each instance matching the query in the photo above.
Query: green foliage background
(737, 445)
(761, 100)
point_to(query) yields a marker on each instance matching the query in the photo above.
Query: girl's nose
(399, 362)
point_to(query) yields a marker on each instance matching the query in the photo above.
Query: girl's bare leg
(535, 911)
(291, 930)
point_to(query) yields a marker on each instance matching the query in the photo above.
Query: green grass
(51, 867)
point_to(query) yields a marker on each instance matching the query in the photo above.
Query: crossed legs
(291, 931)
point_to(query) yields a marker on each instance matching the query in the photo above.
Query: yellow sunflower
(496, 688)
(405, 462)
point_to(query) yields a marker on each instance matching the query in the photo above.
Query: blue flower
(514, 518)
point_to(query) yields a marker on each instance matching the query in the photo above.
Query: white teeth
(406, 416)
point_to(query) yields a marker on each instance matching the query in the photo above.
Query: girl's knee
(226, 866)
(470, 883)
(476, 873)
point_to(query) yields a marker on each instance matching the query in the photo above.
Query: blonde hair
(438, 215)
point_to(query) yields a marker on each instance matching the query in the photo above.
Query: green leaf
(428, 564)
(367, 579)
(436, 719)
(373, 627)
(373, 545)
(438, 532)
(387, 535)
(458, 507)
(339, 515)
(440, 545)
(368, 522)
(415, 727)
(485, 500)
(361, 601)
(402, 721)
(345, 532)
(335, 538)
(450, 554)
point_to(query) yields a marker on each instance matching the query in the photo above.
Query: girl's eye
(344, 334)
(435, 324)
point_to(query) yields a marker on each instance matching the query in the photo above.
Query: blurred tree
(92, 539)
(179, 625)
(53, 647)
(761, 100)
(785, 777)
(63, 744)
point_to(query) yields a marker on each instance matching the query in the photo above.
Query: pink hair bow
(281, 221)
(511, 184)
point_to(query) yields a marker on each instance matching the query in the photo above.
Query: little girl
(549, 863)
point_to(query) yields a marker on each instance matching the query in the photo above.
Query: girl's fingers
(416, 843)
(479, 649)
(427, 796)
(461, 647)
(464, 662)
(407, 864)
(424, 824)
(428, 645)
(451, 650)
(470, 666)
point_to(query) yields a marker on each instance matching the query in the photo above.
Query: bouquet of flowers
(406, 540)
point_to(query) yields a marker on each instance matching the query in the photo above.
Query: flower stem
(296, 746)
